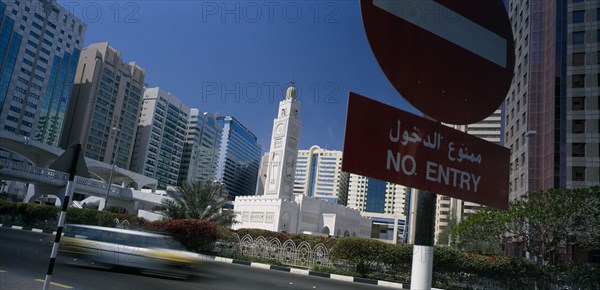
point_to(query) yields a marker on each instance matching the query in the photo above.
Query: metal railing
(302, 254)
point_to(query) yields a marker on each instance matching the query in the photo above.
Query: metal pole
(422, 263)
(112, 170)
(109, 186)
(63, 215)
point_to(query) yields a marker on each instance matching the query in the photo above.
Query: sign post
(422, 261)
(454, 61)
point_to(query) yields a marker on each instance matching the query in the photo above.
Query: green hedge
(365, 255)
(46, 216)
(453, 268)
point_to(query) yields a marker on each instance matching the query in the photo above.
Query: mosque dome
(290, 94)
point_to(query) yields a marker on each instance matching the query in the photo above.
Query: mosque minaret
(284, 148)
(276, 208)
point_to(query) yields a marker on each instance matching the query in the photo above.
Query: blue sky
(237, 57)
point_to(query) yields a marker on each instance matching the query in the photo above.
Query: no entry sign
(452, 60)
(386, 143)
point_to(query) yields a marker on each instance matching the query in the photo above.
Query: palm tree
(199, 200)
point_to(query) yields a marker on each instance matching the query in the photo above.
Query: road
(27, 253)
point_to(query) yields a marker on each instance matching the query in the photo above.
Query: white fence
(288, 252)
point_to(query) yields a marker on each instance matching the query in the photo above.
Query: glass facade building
(201, 148)
(376, 201)
(239, 158)
(376, 196)
(40, 44)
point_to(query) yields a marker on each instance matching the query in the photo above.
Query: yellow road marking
(55, 284)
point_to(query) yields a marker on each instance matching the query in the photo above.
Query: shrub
(46, 216)
(398, 258)
(101, 218)
(363, 254)
(195, 235)
(29, 215)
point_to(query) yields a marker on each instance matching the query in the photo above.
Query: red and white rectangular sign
(387, 143)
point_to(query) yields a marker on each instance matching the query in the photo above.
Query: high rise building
(160, 137)
(106, 102)
(201, 148)
(447, 208)
(383, 202)
(284, 147)
(40, 43)
(239, 158)
(319, 175)
(552, 115)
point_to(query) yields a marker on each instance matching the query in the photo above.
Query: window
(578, 126)
(578, 37)
(579, 58)
(578, 173)
(578, 16)
(578, 81)
(33, 44)
(578, 150)
(578, 103)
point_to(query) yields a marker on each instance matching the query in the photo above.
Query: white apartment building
(160, 137)
(106, 102)
(319, 175)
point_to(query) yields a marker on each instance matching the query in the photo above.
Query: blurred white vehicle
(111, 247)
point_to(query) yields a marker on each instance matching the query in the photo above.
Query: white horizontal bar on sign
(450, 26)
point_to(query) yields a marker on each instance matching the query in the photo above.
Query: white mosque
(277, 208)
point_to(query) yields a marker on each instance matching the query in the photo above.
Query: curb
(27, 229)
(268, 267)
(313, 273)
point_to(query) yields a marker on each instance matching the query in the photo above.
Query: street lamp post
(112, 169)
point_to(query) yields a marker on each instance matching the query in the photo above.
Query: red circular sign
(452, 60)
